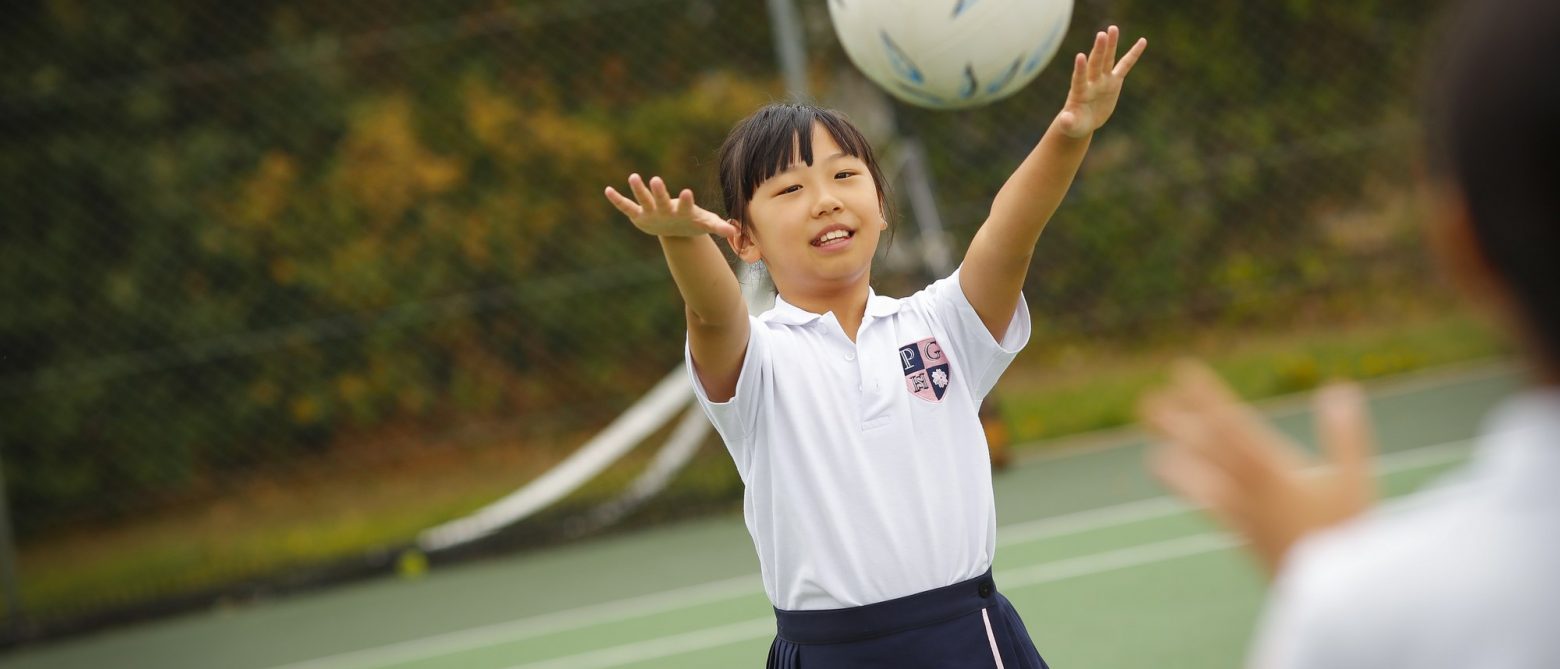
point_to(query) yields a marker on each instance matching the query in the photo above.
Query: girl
(852, 416)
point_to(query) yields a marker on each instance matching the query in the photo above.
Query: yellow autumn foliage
(384, 168)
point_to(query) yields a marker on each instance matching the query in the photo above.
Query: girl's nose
(827, 204)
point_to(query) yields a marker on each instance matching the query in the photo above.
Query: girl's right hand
(656, 213)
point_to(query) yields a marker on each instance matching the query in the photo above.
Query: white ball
(948, 54)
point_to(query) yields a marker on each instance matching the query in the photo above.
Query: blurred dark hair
(763, 144)
(1494, 131)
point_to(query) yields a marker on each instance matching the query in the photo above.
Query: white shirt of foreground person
(865, 464)
(1464, 575)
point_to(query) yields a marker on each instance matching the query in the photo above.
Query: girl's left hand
(1096, 84)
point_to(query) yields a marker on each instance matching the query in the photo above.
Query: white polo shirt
(866, 467)
(1465, 575)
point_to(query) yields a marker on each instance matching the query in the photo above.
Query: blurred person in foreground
(1466, 574)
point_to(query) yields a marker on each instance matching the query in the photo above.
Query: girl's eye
(845, 174)
(791, 189)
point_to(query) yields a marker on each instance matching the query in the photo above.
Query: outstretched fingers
(1127, 61)
(1243, 443)
(707, 220)
(642, 193)
(663, 200)
(1343, 424)
(1080, 75)
(1101, 60)
(1195, 479)
(1097, 55)
(1218, 453)
(1112, 36)
(629, 208)
(653, 210)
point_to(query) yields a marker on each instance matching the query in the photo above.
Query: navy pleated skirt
(962, 626)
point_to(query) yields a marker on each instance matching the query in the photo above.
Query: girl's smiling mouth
(833, 236)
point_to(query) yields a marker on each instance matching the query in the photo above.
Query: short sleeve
(983, 356)
(735, 419)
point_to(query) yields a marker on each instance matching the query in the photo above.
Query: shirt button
(850, 356)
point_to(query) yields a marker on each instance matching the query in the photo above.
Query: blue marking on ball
(1037, 57)
(963, 5)
(900, 62)
(1001, 81)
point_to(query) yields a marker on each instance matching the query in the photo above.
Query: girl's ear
(743, 244)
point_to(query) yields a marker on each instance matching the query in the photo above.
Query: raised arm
(717, 316)
(998, 258)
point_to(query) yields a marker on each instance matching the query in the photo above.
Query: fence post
(790, 47)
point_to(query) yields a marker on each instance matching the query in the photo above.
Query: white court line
(680, 644)
(1010, 580)
(687, 597)
(1099, 563)
(1084, 521)
(525, 628)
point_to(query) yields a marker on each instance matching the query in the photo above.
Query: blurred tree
(236, 231)
(1244, 123)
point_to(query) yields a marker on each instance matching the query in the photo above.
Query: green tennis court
(1106, 571)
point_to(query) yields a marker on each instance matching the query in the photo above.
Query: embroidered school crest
(927, 373)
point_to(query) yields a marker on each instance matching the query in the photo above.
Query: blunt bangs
(768, 141)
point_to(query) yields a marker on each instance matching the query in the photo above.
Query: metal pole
(8, 583)
(791, 52)
(923, 202)
(790, 47)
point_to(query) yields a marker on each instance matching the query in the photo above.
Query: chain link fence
(349, 262)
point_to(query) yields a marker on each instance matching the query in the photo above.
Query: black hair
(768, 140)
(1494, 132)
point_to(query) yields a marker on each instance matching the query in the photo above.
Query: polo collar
(878, 306)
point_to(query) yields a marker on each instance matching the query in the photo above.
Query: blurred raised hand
(1217, 453)
(1096, 84)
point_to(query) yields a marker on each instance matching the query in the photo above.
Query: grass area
(337, 510)
(265, 525)
(1077, 388)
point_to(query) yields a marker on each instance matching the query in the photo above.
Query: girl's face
(816, 227)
